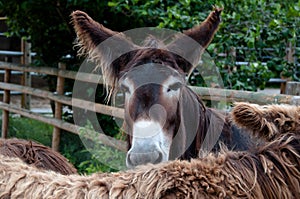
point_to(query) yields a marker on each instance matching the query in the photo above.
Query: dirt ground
(36, 103)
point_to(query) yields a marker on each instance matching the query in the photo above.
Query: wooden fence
(61, 73)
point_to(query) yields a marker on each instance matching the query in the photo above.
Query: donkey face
(152, 77)
(151, 91)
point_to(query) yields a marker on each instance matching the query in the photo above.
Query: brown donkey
(164, 119)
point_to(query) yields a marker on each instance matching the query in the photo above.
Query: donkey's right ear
(111, 56)
(90, 33)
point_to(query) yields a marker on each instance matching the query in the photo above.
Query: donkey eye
(124, 89)
(174, 87)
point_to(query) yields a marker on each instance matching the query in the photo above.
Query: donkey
(164, 119)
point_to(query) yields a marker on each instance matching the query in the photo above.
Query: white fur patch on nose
(144, 124)
(145, 128)
(149, 139)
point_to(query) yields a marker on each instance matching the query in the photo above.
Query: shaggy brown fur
(267, 121)
(36, 155)
(269, 171)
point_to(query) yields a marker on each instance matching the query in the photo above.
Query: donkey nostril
(132, 160)
(129, 162)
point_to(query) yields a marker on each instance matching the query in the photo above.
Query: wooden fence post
(293, 88)
(58, 108)
(290, 52)
(26, 77)
(6, 99)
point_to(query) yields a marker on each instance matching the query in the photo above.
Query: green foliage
(73, 149)
(247, 77)
(251, 31)
(71, 145)
(259, 31)
(87, 158)
(46, 24)
(92, 165)
(175, 15)
(103, 158)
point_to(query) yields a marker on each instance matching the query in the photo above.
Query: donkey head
(159, 109)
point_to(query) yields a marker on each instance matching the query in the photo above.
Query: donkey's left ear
(201, 36)
(204, 33)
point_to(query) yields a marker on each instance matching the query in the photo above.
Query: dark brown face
(152, 92)
(152, 77)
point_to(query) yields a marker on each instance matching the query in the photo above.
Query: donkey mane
(208, 118)
(153, 42)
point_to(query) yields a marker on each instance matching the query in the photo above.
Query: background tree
(252, 31)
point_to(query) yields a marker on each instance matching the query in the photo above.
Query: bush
(251, 31)
(103, 158)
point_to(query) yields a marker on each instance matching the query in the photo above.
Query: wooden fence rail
(91, 106)
(85, 77)
(245, 96)
(206, 93)
(106, 140)
(59, 98)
